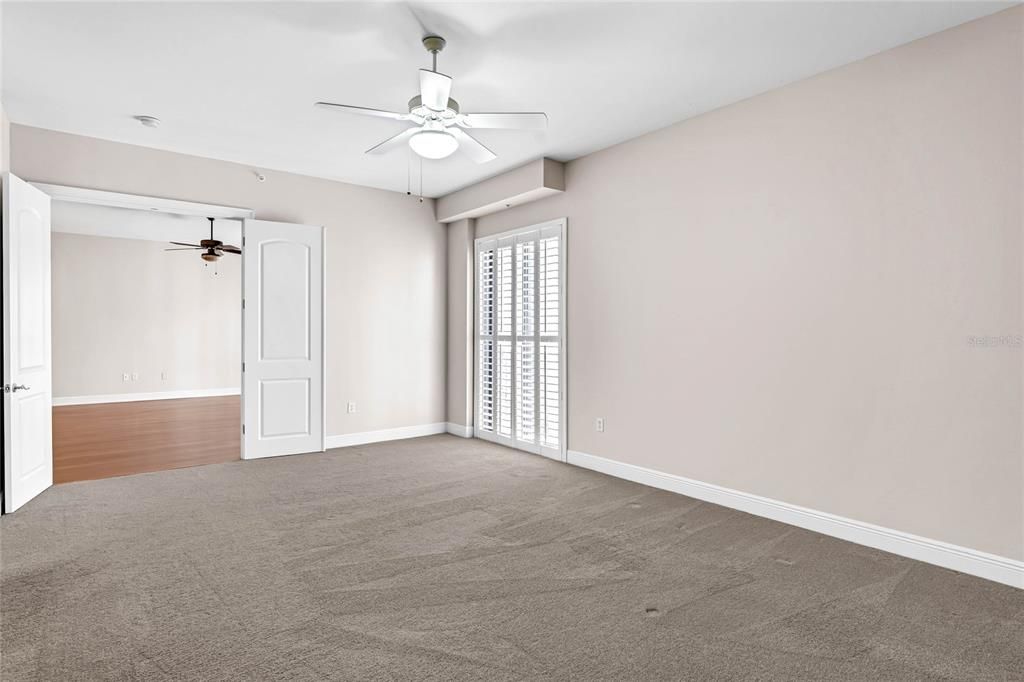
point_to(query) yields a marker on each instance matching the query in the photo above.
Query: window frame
(547, 229)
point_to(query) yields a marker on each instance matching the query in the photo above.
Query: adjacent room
(512, 341)
(146, 340)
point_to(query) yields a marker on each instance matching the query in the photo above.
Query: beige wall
(5, 141)
(779, 296)
(126, 306)
(460, 322)
(385, 263)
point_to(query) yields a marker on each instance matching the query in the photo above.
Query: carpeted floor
(441, 558)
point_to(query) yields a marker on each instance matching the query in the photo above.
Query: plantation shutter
(520, 304)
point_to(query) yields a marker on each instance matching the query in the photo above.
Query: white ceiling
(126, 223)
(236, 81)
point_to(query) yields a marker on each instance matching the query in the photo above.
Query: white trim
(554, 222)
(348, 439)
(138, 397)
(98, 197)
(459, 430)
(989, 566)
(323, 338)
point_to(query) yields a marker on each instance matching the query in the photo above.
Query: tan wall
(5, 141)
(125, 306)
(460, 322)
(385, 263)
(779, 296)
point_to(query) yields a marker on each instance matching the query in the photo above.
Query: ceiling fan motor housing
(416, 108)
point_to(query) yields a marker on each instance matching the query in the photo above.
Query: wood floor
(117, 439)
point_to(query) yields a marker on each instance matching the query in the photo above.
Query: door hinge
(243, 429)
(243, 304)
(243, 366)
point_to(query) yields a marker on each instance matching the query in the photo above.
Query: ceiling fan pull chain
(421, 179)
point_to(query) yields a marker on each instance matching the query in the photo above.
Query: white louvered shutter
(485, 400)
(520, 304)
(549, 375)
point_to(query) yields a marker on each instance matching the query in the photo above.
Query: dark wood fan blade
(229, 248)
(198, 246)
(187, 248)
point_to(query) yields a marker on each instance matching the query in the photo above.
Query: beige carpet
(441, 558)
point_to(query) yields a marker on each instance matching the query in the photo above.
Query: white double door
(520, 328)
(283, 341)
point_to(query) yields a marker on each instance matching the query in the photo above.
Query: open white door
(28, 446)
(282, 340)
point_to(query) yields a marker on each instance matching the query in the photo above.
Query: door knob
(17, 387)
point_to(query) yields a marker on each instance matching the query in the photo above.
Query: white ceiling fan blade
(392, 142)
(434, 89)
(394, 115)
(471, 147)
(520, 121)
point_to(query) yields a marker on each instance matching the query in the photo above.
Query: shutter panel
(520, 304)
(526, 341)
(504, 292)
(549, 374)
(485, 344)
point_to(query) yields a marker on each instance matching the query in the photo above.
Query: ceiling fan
(438, 122)
(213, 248)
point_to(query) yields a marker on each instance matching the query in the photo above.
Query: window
(519, 339)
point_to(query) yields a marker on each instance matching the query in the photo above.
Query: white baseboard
(348, 439)
(989, 566)
(460, 430)
(138, 397)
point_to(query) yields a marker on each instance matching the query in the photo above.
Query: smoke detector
(148, 121)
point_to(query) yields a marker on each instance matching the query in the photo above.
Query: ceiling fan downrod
(433, 45)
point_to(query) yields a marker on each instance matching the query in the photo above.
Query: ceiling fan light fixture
(433, 144)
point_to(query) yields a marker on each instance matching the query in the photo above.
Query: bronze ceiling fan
(212, 248)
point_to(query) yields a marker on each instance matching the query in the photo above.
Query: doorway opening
(146, 340)
(275, 393)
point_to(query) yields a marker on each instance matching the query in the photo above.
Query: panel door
(283, 329)
(28, 401)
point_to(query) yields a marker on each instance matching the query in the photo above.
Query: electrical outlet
(163, 376)
(125, 377)
(599, 424)
(351, 408)
(135, 376)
